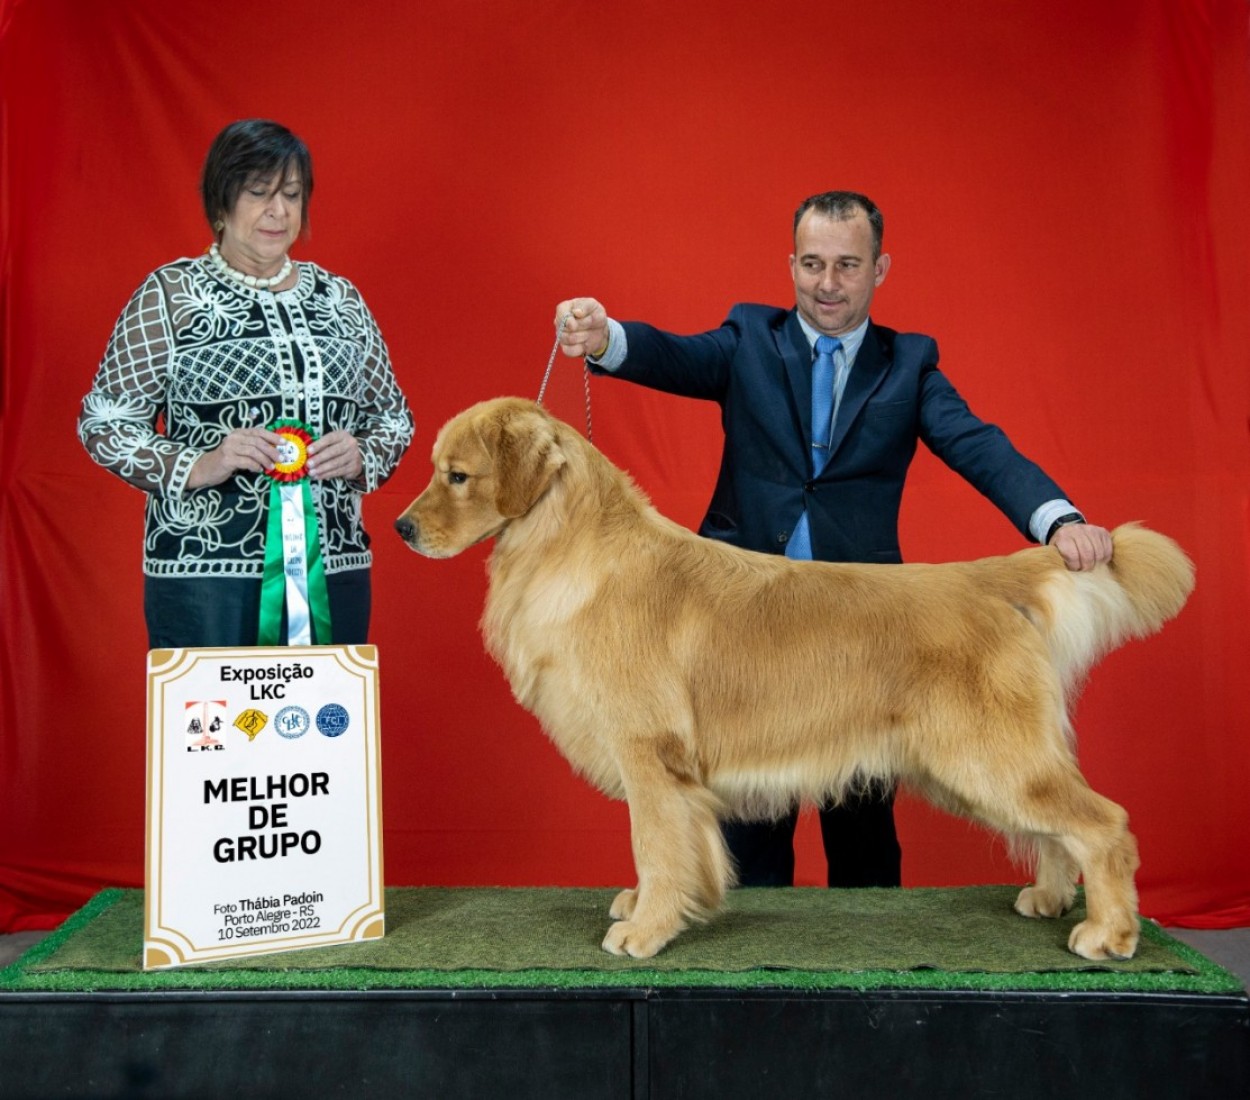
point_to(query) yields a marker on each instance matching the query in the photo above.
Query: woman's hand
(253, 450)
(335, 454)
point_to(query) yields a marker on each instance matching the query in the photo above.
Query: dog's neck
(587, 492)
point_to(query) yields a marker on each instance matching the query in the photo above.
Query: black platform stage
(291, 1026)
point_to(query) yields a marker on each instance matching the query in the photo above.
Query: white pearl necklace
(253, 281)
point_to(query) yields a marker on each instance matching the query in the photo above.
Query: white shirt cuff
(616, 351)
(1040, 520)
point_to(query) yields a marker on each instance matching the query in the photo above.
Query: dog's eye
(456, 477)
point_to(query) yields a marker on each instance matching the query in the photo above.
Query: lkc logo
(201, 722)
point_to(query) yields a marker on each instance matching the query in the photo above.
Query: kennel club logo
(292, 722)
(332, 720)
(202, 722)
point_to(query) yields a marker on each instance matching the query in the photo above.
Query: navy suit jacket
(757, 367)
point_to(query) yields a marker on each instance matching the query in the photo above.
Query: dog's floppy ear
(527, 456)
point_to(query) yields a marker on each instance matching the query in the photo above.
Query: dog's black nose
(406, 528)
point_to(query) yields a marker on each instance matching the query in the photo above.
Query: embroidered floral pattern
(208, 356)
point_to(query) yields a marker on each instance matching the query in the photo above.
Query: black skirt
(182, 612)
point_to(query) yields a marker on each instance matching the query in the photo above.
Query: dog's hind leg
(1076, 832)
(679, 854)
(1078, 829)
(1107, 853)
(1054, 890)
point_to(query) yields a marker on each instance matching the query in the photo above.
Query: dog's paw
(1036, 902)
(623, 905)
(1098, 942)
(627, 938)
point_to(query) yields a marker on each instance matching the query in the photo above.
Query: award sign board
(264, 815)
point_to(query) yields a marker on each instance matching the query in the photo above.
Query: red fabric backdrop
(1064, 188)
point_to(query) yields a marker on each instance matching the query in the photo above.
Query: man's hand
(335, 454)
(585, 331)
(1082, 545)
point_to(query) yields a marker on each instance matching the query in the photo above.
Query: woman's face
(264, 223)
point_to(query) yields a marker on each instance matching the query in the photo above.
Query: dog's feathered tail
(1146, 583)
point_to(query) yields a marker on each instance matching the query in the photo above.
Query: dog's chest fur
(526, 626)
(526, 618)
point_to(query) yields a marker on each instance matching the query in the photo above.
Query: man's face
(834, 272)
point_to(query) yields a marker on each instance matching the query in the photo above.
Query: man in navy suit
(815, 469)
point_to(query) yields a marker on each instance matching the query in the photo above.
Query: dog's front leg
(679, 855)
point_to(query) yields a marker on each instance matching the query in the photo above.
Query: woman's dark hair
(252, 149)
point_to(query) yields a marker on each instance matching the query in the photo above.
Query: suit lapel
(871, 365)
(796, 354)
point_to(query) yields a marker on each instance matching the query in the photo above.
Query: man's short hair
(841, 205)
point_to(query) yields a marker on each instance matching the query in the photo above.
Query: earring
(219, 225)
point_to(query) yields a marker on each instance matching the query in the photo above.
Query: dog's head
(492, 462)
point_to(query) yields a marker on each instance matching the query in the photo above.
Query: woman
(240, 387)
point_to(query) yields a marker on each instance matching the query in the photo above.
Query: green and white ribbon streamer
(294, 575)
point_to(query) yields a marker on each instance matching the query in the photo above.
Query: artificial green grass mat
(806, 938)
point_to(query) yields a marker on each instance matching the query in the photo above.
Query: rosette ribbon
(294, 572)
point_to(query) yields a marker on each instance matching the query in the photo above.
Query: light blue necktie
(799, 546)
(822, 399)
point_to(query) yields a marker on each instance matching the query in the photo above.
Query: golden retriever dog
(698, 681)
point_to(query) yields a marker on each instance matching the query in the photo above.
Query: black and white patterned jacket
(195, 356)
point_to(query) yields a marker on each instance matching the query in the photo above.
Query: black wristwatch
(1063, 521)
